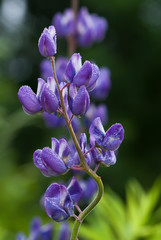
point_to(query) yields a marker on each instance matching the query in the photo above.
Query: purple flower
(94, 112)
(46, 98)
(38, 231)
(79, 74)
(103, 157)
(54, 161)
(64, 23)
(90, 27)
(85, 28)
(109, 140)
(64, 231)
(47, 42)
(58, 200)
(103, 85)
(29, 100)
(78, 100)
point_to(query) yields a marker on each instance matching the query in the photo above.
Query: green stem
(87, 169)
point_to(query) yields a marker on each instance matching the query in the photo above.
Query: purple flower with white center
(105, 158)
(58, 201)
(54, 161)
(103, 85)
(109, 140)
(86, 74)
(79, 100)
(94, 112)
(64, 231)
(47, 42)
(38, 231)
(64, 23)
(89, 187)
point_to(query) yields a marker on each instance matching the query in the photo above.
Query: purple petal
(46, 69)
(89, 188)
(46, 232)
(74, 65)
(97, 131)
(75, 190)
(83, 142)
(107, 158)
(49, 100)
(51, 120)
(103, 85)
(60, 65)
(101, 26)
(64, 149)
(39, 163)
(79, 102)
(35, 224)
(55, 212)
(64, 23)
(95, 74)
(64, 231)
(55, 145)
(53, 163)
(84, 75)
(40, 86)
(66, 200)
(29, 100)
(114, 137)
(21, 236)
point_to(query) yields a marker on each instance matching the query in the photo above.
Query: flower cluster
(63, 97)
(87, 28)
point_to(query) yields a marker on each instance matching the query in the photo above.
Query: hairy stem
(85, 166)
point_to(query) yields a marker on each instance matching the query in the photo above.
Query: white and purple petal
(97, 131)
(95, 74)
(74, 65)
(114, 137)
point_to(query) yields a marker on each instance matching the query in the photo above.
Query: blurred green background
(131, 50)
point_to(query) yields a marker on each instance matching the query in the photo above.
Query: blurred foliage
(137, 219)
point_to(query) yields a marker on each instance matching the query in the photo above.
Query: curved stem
(85, 166)
(89, 208)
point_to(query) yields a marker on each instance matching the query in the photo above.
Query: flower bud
(47, 42)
